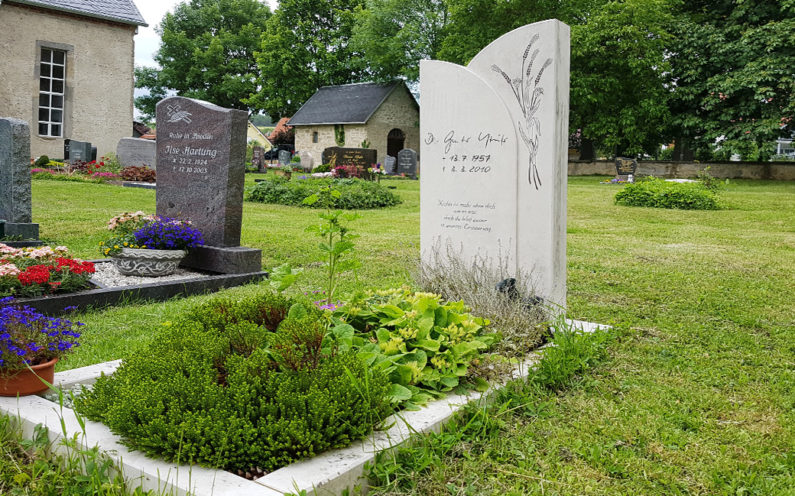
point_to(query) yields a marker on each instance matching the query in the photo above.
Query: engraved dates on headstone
(201, 152)
(407, 163)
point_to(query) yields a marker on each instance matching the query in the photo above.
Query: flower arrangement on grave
(34, 271)
(137, 230)
(148, 245)
(350, 170)
(30, 344)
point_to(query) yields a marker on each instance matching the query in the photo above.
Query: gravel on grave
(108, 276)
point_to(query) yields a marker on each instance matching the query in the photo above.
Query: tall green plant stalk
(337, 238)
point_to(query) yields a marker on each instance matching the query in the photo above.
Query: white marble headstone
(494, 139)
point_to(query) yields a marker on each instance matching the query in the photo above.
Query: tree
(148, 78)
(207, 50)
(733, 66)
(394, 35)
(619, 76)
(305, 45)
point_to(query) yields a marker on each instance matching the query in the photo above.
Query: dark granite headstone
(407, 163)
(66, 149)
(93, 153)
(15, 193)
(79, 151)
(285, 157)
(258, 158)
(626, 166)
(360, 157)
(390, 163)
(201, 153)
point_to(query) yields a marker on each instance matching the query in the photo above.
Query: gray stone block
(15, 194)
(137, 152)
(24, 230)
(224, 260)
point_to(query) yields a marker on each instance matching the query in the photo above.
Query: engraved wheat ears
(529, 94)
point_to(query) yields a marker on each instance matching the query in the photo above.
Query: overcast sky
(147, 41)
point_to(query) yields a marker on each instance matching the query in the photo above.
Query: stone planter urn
(148, 263)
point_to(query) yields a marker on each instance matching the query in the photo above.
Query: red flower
(97, 166)
(35, 274)
(76, 267)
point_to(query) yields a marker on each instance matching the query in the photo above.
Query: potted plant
(148, 245)
(30, 345)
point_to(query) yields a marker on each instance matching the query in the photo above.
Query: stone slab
(105, 297)
(494, 146)
(15, 189)
(201, 153)
(132, 184)
(331, 473)
(22, 230)
(224, 260)
(137, 152)
(360, 157)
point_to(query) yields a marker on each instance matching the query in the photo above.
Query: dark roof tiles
(346, 104)
(123, 11)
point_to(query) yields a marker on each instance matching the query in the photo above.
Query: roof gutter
(80, 13)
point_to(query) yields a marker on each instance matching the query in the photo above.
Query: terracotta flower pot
(150, 263)
(27, 381)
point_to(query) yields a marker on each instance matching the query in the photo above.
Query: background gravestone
(258, 158)
(625, 168)
(137, 152)
(79, 151)
(407, 163)
(15, 192)
(201, 153)
(285, 157)
(360, 157)
(307, 161)
(390, 164)
(494, 156)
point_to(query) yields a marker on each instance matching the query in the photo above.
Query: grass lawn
(697, 399)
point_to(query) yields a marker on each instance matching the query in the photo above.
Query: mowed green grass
(700, 399)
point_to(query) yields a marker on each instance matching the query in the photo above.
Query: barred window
(52, 81)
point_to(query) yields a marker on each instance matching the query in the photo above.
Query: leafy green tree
(148, 78)
(207, 50)
(619, 76)
(394, 35)
(305, 45)
(733, 65)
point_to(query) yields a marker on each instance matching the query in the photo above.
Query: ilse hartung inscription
(201, 162)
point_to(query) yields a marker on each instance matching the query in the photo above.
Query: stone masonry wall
(99, 75)
(779, 171)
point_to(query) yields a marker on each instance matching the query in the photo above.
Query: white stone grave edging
(329, 473)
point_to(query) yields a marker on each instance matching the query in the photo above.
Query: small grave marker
(258, 158)
(625, 169)
(137, 152)
(390, 165)
(407, 163)
(285, 157)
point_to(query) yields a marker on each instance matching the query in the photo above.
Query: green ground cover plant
(355, 194)
(696, 399)
(659, 193)
(241, 385)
